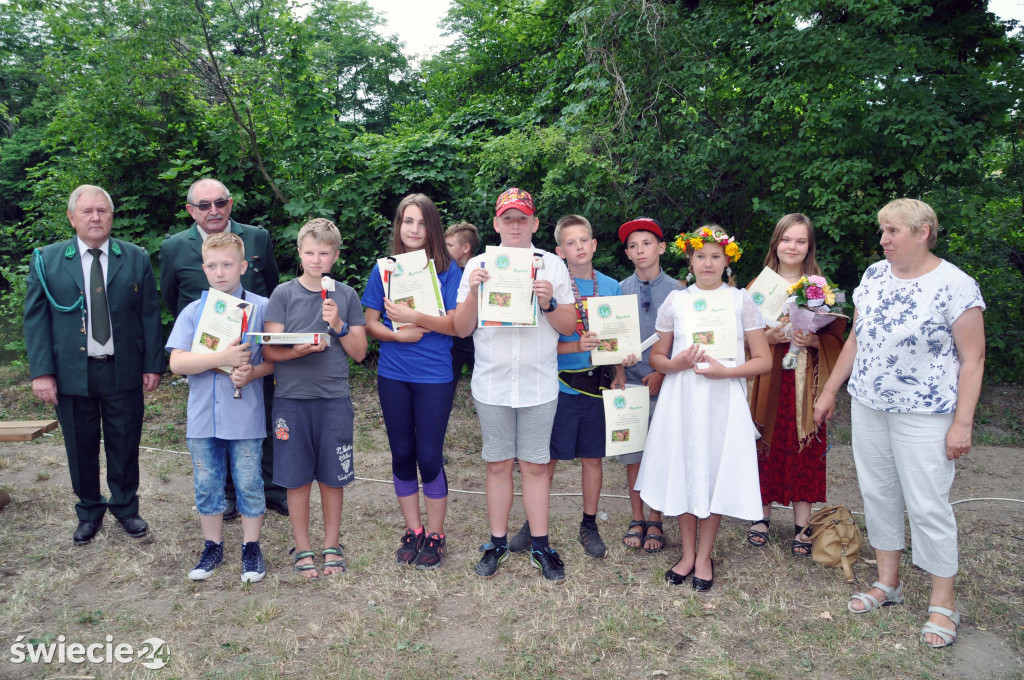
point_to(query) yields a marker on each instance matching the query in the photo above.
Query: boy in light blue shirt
(223, 429)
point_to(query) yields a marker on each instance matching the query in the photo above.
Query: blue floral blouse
(906, 360)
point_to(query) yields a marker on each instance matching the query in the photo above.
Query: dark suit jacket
(56, 341)
(183, 280)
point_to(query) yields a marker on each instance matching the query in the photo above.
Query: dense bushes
(690, 111)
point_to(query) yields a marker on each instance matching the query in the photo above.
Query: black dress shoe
(231, 512)
(702, 585)
(278, 506)
(134, 525)
(676, 579)
(86, 531)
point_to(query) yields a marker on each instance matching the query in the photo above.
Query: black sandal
(635, 534)
(800, 548)
(658, 538)
(759, 539)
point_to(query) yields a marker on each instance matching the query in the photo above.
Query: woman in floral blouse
(915, 360)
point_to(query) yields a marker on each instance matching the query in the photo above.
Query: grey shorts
(523, 433)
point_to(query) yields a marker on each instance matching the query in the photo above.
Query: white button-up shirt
(518, 366)
(95, 349)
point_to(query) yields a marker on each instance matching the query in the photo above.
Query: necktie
(98, 300)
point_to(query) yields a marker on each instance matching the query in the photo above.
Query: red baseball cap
(514, 198)
(640, 224)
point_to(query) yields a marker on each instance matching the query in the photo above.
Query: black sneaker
(412, 543)
(548, 561)
(590, 539)
(432, 553)
(521, 541)
(213, 555)
(253, 566)
(231, 512)
(493, 556)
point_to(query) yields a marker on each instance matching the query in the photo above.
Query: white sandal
(948, 636)
(892, 596)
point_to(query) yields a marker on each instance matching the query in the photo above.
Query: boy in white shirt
(515, 388)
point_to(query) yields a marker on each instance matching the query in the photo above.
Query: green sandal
(334, 564)
(303, 568)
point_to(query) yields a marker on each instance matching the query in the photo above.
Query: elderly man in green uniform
(93, 348)
(183, 280)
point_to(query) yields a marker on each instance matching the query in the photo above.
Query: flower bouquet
(810, 309)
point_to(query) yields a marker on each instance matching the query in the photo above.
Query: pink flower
(817, 280)
(814, 293)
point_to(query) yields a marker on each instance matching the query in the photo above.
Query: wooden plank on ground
(44, 425)
(20, 434)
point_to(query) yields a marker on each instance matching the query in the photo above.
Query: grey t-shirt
(322, 374)
(659, 289)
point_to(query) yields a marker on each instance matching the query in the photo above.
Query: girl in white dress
(700, 460)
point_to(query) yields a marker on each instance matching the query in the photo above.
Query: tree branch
(222, 84)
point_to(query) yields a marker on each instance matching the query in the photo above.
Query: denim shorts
(210, 458)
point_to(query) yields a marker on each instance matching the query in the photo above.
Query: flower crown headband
(686, 244)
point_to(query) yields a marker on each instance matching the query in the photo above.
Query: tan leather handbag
(836, 538)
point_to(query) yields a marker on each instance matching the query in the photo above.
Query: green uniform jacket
(183, 280)
(56, 340)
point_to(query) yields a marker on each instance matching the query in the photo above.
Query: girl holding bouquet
(700, 458)
(791, 450)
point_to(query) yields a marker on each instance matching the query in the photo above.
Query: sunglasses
(206, 205)
(645, 296)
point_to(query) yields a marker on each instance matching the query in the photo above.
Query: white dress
(700, 456)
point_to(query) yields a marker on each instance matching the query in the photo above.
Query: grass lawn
(769, 615)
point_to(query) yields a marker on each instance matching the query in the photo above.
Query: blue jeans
(210, 458)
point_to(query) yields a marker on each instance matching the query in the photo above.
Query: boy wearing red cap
(645, 244)
(515, 388)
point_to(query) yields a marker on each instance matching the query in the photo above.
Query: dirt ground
(381, 621)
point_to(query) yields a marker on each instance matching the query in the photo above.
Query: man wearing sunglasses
(183, 280)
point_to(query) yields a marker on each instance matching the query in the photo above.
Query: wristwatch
(342, 333)
(552, 306)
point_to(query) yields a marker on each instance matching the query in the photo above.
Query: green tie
(98, 300)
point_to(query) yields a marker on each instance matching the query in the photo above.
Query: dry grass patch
(769, 616)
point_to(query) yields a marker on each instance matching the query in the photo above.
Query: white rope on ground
(570, 494)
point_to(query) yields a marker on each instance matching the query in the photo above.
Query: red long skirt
(788, 474)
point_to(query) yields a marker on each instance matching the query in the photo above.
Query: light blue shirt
(213, 410)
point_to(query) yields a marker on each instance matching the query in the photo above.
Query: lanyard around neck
(581, 309)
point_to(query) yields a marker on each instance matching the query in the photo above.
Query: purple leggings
(416, 418)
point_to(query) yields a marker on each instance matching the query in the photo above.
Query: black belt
(105, 357)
